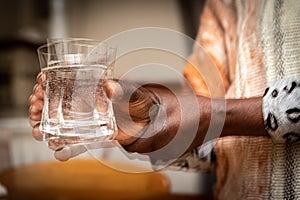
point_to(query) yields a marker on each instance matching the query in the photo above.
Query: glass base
(70, 140)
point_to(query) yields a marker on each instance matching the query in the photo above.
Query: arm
(235, 117)
(243, 117)
(217, 36)
(159, 115)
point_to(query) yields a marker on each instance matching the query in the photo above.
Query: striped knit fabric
(280, 36)
(252, 43)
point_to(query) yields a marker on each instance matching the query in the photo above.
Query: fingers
(66, 149)
(125, 139)
(38, 93)
(126, 96)
(37, 90)
(40, 78)
(64, 153)
(132, 105)
(113, 89)
(35, 114)
(69, 152)
(35, 107)
(36, 133)
(36, 104)
(122, 90)
(62, 147)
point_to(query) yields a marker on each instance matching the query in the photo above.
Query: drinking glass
(76, 108)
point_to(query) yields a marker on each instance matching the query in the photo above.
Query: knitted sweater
(252, 43)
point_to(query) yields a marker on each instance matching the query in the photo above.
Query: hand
(36, 102)
(147, 116)
(135, 109)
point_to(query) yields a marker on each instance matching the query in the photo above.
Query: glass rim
(59, 40)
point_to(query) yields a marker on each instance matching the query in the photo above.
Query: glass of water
(76, 108)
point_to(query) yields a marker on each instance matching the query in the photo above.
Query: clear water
(75, 104)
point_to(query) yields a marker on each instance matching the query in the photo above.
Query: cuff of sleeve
(281, 110)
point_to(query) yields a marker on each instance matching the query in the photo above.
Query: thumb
(69, 152)
(120, 90)
(114, 90)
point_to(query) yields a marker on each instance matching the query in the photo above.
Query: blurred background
(26, 24)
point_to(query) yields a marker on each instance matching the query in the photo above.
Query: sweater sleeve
(281, 110)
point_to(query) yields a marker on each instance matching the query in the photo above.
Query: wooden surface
(86, 179)
(81, 179)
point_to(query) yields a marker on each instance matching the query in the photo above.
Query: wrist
(244, 117)
(165, 122)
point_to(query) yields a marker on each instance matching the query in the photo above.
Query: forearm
(230, 117)
(244, 118)
(187, 118)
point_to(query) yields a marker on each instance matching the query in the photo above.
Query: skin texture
(243, 117)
